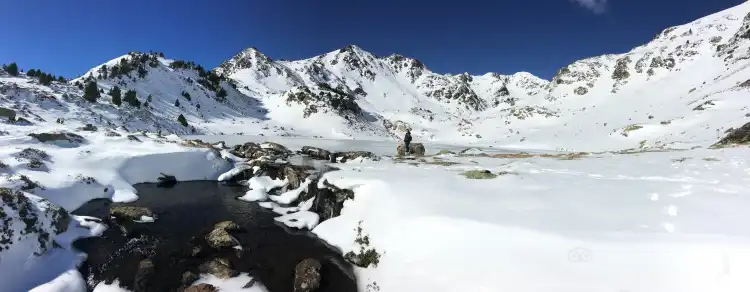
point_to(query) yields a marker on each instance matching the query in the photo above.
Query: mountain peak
(245, 59)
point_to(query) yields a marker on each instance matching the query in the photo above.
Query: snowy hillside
(682, 89)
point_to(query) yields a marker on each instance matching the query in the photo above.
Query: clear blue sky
(475, 36)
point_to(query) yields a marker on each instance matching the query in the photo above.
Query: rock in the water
(144, 277)
(202, 287)
(221, 268)
(220, 238)
(188, 278)
(307, 276)
(166, 181)
(736, 137)
(59, 136)
(131, 213)
(416, 149)
(316, 153)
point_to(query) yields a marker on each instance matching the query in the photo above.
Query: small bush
(366, 256)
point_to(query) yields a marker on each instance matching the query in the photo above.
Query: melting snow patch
(301, 219)
(292, 195)
(259, 187)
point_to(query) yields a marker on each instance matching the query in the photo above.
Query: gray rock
(221, 268)
(202, 287)
(220, 238)
(188, 278)
(307, 276)
(416, 149)
(316, 153)
(29, 217)
(130, 213)
(9, 114)
(144, 276)
(58, 136)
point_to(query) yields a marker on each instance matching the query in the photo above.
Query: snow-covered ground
(670, 221)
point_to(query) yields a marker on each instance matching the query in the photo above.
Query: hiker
(407, 140)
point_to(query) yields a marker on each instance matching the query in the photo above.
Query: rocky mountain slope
(683, 88)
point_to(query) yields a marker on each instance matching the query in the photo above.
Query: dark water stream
(270, 250)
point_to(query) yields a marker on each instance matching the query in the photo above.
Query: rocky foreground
(145, 249)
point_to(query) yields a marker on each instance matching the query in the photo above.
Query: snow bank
(551, 225)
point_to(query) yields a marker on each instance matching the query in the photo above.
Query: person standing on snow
(407, 140)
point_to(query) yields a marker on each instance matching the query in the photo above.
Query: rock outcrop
(25, 216)
(416, 149)
(740, 136)
(307, 276)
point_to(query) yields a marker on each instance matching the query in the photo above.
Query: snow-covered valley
(601, 179)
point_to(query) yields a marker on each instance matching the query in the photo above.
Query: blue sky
(475, 36)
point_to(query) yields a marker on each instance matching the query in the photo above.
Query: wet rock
(130, 213)
(316, 153)
(416, 149)
(202, 287)
(307, 276)
(8, 114)
(220, 238)
(144, 276)
(219, 267)
(166, 181)
(58, 136)
(188, 278)
(328, 200)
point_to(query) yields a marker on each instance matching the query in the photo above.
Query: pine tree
(177, 102)
(31, 73)
(91, 93)
(12, 69)
(182, 120)
(61, 79)
(132, 99)
(116, 95)
(148, 99)
(142, 72)
(186, 95)
(221, 94)
(45, 79)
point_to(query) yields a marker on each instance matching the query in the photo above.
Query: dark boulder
(307, 276)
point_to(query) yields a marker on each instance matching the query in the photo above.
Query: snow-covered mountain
(686, 86)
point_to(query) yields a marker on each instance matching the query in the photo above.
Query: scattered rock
(219, 267)
(738, 136)
(88, 128)
(59, 136)
(111, 133)
(307, 276)
(416, 149)
(202, 287)
(133, 138)
(581, 90)
(33, 153)
(25, 216)
(220, 238)
(130, 213)
(316, 153)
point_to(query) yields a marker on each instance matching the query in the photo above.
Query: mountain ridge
(350, 93)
